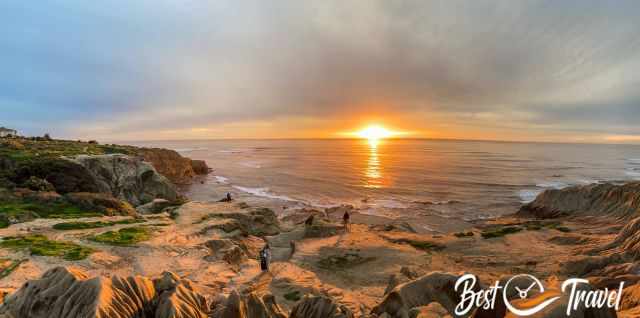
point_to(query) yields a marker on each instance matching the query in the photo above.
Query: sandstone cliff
(620, 201)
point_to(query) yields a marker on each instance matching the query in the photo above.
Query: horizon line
(390, 138)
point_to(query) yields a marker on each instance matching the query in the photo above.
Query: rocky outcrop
(256, 221)
(65, 175)
(69, 293)
(433, 287)
(100, 202)
(319, 307)
(170, 164)
(248, 306)
(321, 228)
(628, 240)
(620, 201)
(155, 206)
(127, 178)
(200, 167)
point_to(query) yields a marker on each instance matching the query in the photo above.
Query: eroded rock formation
(621, 201)
(67, 292)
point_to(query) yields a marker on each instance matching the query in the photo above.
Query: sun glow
(375, 132)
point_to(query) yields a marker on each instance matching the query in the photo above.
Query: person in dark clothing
(265, 258)
(346, 218)
(227, 198)
(309, 220)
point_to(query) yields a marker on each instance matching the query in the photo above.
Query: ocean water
(467, 180)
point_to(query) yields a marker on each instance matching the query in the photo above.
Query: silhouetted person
(227, 198)
(346, 218)
(265, 257)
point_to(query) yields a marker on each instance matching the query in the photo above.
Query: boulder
(128, 178)
(170, 164)
(319, 307)
(100, 202)
(153, 207)
(200, 167)
(68, 292)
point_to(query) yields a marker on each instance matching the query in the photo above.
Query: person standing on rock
(346, 218)
(265, 258)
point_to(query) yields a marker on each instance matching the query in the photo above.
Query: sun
(374, 132)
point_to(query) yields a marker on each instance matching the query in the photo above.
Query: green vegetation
(529, 226)
(44, 210)
(41, 245)
(463, 234)
(7, 266)
(292, 296)
(26, 149)
(500, 232)
(65, 226)
(124, 237)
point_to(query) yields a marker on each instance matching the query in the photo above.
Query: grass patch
(48, 210)
(7, 266)
(38, 149)
(66, 226)
(41, 245)
(463, 234)
(124, 237)
(292, 296)
(500, 232)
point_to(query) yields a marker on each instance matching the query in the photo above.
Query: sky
(562, 71)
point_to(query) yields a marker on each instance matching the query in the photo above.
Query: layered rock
(319, 307)
(620, 201)
(67, 292)
(248, 306)
(127, 178)
(256, 221)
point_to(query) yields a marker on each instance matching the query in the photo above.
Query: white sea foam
(265, 193)
(388, 204)
(221, 179)
(552, 184)
(528, 195)
(251, 164)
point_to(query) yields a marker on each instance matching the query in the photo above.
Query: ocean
(466, 180)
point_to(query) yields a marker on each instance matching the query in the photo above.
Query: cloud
(116, 68)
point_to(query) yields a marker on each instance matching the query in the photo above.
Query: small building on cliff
(4, 132)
